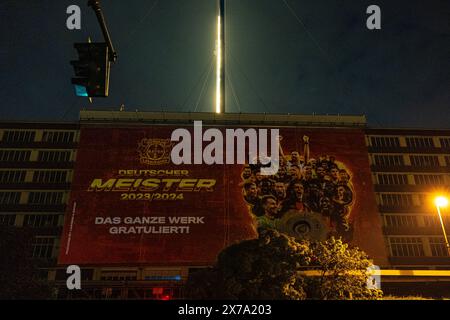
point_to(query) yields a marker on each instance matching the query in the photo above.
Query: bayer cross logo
(154, 151)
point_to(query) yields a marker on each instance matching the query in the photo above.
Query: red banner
(131, 205)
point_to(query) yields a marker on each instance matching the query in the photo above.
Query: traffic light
(92, 70)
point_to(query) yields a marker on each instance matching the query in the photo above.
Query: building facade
(408, 168)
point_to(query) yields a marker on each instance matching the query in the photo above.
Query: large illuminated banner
(131, 205)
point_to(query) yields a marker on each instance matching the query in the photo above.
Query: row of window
(411, 142)
(42, 247)
(402, 179)
(396, 200)
(58, 136)
(31, 220)
(50, 176)
(41, 220)
(414, 247)
(404, 200)
(54, 156)
(12, 176)
(43, 156)
(424, 161)
(18, 176)
(15, 155)
(416, 160)
(9, 198)
(20, 136)
(46, 198)
(385, 142)
(407, 220)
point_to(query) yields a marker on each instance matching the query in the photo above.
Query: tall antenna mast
(220, 54)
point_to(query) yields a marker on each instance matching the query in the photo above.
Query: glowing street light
(442, 202)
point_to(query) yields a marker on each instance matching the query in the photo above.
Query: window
(15, 155)
(424, 161)
(433, 221)
(57, 136)
(9, 197)
(54, 156)
(401, 221)
(406, 247)
(392, 179)
(19, 136)
(43, 247)
(45, 198)
(419, 142)
(391, 160)
(7, 219)
(12, 176)
(429, 179)
(49, 176)
(397, 200)
(445, 143)
(41, 220)
(118, 276)
(447, 160)
(385, 142)
(438, 247)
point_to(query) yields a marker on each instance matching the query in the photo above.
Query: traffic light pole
(95, 4)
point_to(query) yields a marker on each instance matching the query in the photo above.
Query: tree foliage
(18, 272)
(269, 268)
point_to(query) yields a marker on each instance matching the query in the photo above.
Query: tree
(270, 268)
(343, 272)
(18, 272)
(263, 268)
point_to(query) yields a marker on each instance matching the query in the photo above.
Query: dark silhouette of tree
(270, 268)
(18, 272)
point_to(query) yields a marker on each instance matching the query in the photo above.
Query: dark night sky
(399, 76)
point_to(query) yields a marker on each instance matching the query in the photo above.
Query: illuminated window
(437, 246)
(429, 179)
(42, 247)
(396, 200)
(419, 142)
(406, 247)
(9, 197)
(19, 136)
(433, 221)
(15, 155)
(12, 176)
(392, 179)
(424, 161)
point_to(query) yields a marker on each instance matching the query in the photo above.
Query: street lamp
(442, 202)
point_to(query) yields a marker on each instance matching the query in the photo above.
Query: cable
(249, 82)
(202, 75)
(145, 17)
(204, 86)
(331, 61)
(233, 91)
